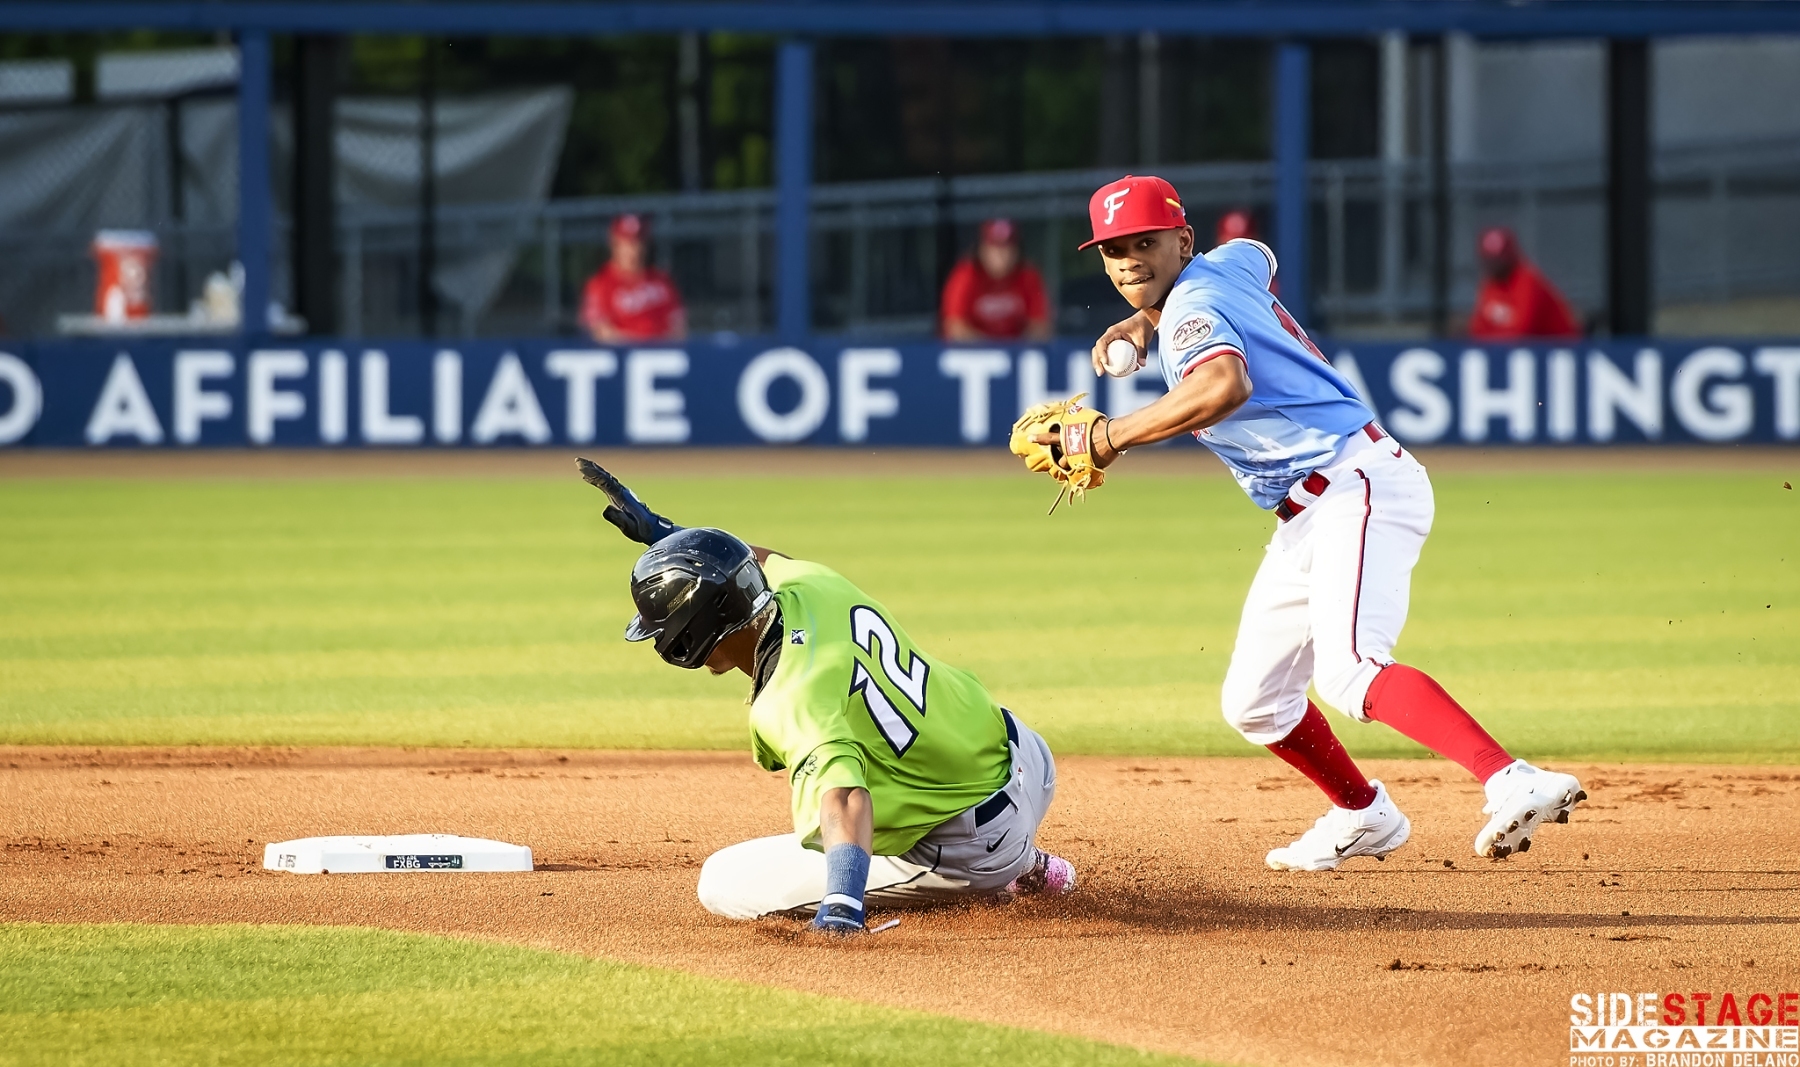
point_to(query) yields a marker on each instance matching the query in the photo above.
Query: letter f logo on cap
(1112, 202)
(1114, 212)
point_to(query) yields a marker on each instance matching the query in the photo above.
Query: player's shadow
(1178, 912)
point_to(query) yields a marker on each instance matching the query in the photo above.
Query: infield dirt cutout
(1670, 879)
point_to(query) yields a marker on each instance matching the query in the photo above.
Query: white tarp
(66, 172)
(164, 73)
(36, 81)
(498, 148)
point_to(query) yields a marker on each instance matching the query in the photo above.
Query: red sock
(1409, 701)
(1313, 750)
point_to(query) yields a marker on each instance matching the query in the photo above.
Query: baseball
(1121, 357)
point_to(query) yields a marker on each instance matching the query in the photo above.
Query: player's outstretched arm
(847, 834)
(624, 509)
(1212, 391)
(847, 817)
(635, 519)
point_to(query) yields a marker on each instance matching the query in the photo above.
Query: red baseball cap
(1134, 205)
(630, 227)
(999, 232)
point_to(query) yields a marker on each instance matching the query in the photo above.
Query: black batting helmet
(693, 589)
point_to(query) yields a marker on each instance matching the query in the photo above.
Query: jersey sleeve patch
(1190, 332)
(839, 770)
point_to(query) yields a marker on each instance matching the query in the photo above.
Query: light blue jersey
(1300, 409)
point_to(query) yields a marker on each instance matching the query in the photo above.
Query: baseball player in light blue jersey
(1300, 409)
(1353, 509)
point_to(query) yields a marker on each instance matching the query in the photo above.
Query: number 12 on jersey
(876, 638)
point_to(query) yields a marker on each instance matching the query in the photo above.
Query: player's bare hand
(1137, 329)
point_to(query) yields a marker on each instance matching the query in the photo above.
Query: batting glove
(626, 511)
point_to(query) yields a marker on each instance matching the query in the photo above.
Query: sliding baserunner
(909, 781)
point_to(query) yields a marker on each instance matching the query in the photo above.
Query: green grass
(129, 994)
(1630, 615)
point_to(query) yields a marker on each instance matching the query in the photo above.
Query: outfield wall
(480, 394)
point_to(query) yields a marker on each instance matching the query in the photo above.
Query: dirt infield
(1169, 461)
(1671, 878)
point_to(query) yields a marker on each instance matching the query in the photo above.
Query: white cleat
(1520, 799)
(1341, 833)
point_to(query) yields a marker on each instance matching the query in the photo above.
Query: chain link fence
(155, 150)
(1726, 224)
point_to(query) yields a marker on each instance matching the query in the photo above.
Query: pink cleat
(1051, 876)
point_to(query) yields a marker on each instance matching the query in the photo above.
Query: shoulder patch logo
(811, 765)
(798, 637)
(1192, 331)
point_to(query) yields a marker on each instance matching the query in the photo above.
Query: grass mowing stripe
(1629, 616)
(167, 995)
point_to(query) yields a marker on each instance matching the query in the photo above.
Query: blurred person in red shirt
(1232, 225)
(1238, 223)
(629, 300)
(994, 295)
(1516, 301)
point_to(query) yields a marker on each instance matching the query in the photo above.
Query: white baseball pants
(1330, 598)
(975, 853)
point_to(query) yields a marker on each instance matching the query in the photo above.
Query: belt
(992, 808)
(1316, 483)
(995, 806)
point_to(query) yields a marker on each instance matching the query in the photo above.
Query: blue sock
(846, 876)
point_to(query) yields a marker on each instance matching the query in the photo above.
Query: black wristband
(1117, 451)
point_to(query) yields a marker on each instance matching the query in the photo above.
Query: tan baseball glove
(1056, 439)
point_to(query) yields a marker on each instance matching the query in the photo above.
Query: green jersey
(853, 702)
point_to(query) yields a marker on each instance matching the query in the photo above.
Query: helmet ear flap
(693, 589)
(675, 649)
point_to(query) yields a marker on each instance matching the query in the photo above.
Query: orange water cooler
(125, 258)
